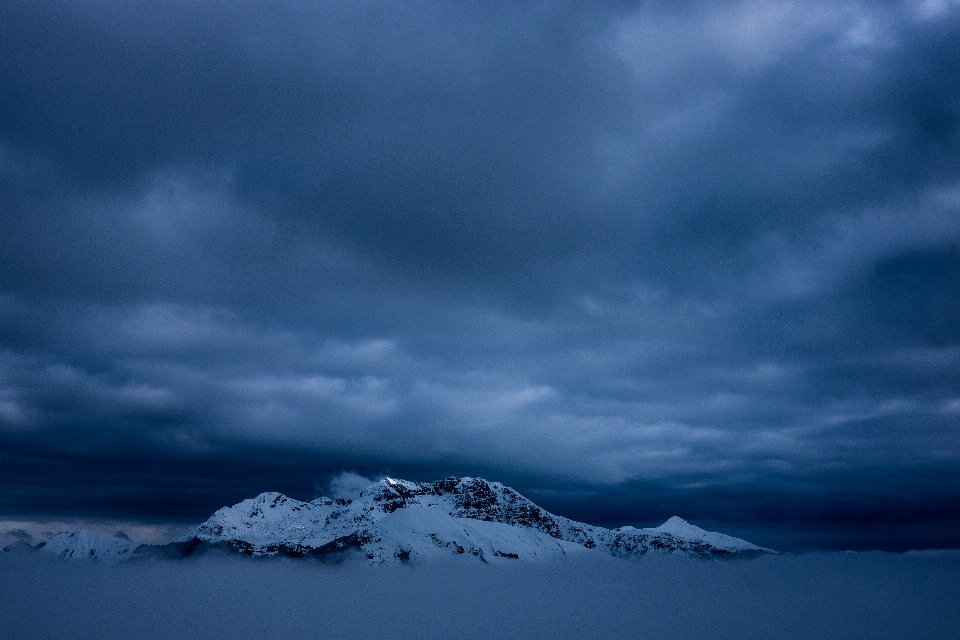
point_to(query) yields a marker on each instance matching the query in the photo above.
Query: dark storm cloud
(707, 255)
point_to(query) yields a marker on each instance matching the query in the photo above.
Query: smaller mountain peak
(678, 526)
(18, 546)
(89, 545)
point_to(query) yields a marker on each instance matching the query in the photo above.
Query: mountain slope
(397, 521)
(401, 521)
(87, 545)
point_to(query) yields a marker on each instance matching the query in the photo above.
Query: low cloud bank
(348, 485)
(836, 595)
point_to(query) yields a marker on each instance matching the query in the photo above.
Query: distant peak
(678, 526)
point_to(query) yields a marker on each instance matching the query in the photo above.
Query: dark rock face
(194, 547)
(476, 499)
(334, 551)
(353, 541)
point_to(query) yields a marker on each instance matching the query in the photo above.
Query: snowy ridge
(680, 528)
(401, 521)
(87, 545)
(397, 521)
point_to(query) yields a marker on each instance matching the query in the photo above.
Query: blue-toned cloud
(712, 250)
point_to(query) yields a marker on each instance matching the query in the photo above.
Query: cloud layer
(704, 255)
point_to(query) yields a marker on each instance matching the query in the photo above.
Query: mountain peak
(400, 521)
(676, 524)
(88, 545)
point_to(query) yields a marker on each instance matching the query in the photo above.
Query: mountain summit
(397, 521)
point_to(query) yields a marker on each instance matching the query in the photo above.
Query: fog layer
(873, 595)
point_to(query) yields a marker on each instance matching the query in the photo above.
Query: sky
(634, 259)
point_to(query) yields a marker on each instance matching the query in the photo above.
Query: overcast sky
(635, 259)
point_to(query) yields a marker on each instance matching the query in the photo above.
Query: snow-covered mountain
(397, 521)
(87, 545)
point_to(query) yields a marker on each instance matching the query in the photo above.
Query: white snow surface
(87, 545)
(680, 528)
(418, 533)
(398, 521)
